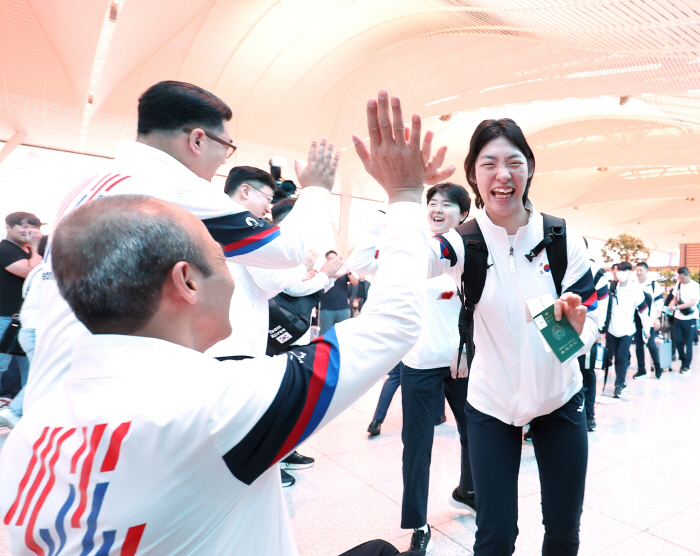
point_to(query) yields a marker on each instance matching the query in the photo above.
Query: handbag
(290, 318)
(9, 343)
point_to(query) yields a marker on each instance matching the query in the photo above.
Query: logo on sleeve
(253, 223)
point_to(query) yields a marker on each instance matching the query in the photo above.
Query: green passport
(560, 336)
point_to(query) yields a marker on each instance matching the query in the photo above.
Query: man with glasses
(182, 139)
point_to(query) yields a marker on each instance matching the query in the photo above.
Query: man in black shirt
(335, 305)
(18, 255)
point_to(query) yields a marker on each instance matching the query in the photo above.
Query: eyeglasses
(267, 195)
(230, 147)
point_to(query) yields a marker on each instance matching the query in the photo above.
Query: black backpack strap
(555, 242)
(473, 278)
(597, 277)
(611, 297)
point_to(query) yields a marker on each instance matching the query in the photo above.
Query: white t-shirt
(687, 292)
(31, 290)
(626, 300)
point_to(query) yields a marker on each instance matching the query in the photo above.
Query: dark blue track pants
(620, 350)
(685, 336)
(561, 448)
(389, 389)
(421, 395)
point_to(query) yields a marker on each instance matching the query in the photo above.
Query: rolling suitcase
(665, 346)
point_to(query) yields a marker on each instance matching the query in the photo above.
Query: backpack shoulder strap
(555, 242)
(598, 276)
(613, 292)
(476, 256)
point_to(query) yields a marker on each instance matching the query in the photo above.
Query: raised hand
(570, 306)
(331, 267)
(431, 166)
(320, 168)
(310, 259)
(392, 159)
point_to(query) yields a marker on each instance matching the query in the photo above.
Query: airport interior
(607, 94)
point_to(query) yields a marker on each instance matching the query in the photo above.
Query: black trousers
(620, 350)
(651, 346)
(377, 548)
(685, 336)
(391, 384)
(421, 395)
(589, 385)
(561, 448)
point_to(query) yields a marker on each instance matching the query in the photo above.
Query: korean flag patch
(543, 269)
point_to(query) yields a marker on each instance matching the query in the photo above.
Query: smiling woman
(513, 380)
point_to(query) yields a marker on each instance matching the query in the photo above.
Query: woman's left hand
(570, 306)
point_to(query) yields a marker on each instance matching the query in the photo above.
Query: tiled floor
(642, 491)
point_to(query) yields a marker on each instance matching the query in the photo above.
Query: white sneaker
(8, 418)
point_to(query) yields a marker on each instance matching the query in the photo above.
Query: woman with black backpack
(513, 254)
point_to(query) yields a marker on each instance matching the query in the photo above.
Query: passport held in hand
(559, 335)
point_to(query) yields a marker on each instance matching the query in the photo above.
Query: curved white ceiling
(295, 70)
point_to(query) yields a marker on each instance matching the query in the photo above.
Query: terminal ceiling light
(98, 64)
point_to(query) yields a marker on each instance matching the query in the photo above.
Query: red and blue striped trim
(252, 242)
(326, 369)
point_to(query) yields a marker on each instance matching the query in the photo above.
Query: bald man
(127, 454)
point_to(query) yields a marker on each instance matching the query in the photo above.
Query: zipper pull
(512, 261)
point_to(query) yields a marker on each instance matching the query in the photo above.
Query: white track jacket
(150, 448)
(512, 377)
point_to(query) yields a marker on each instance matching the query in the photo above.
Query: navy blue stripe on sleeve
(586, 289)
(241, 233)
(301, 402)
(446, 250)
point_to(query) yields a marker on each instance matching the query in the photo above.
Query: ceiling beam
(12, 144)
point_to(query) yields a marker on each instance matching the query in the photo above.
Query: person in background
(335, 303)
(425, 375)
(627, 300)
(587, 366)
(252, 188)
(18, 256)
(29, 317)
(656, 292)
(684, 305)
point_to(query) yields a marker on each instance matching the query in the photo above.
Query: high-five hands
(394, 157)
(320, 168)
(570, 306)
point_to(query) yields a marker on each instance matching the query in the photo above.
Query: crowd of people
(165, 372)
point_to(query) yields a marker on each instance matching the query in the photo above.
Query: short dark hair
(614, 267)
(41, 246)
(329, 252)
(111, 256)
(453, 192)
(684, 271)
(247, 174)
(644, 265)
(624, 265)
(487, 131)
(15, 218)
(172, 105)
(281, 209)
